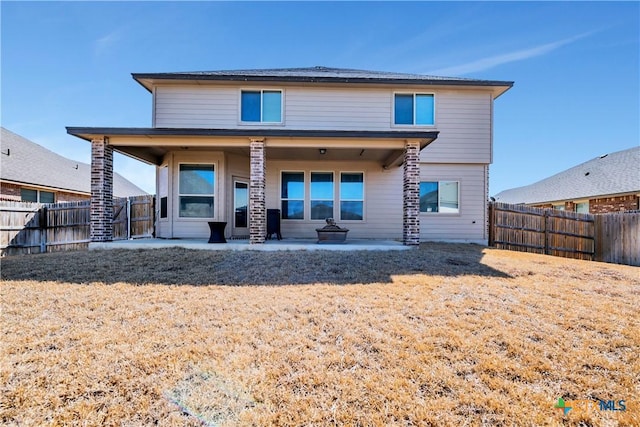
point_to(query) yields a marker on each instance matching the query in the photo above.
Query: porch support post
(257, 205)
(101, 190)
(411, 194)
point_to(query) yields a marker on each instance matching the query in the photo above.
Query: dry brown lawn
(443, 335)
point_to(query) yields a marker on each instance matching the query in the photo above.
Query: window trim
(364, 197)
(214, 195)
(304, 195)
(337, 176)
(439, 213)
(261, 90)
(412, 125)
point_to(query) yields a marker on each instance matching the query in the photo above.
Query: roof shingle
(319, 74)
(613, 173)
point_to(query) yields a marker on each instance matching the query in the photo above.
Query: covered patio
(255, 150)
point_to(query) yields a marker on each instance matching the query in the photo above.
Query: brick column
(101, 190)
(257, 205)
(411, 194)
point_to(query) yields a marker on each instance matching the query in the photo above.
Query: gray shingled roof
(318, 74)
(613, 173)
(30, 163)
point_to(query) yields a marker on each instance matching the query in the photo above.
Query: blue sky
(575, 65)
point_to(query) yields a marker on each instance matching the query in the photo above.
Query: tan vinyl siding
(338, 108)
(470, 223)
(382, 204)
(463, 117)
(196, 107)
(464, 122)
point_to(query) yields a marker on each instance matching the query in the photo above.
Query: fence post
(492, 221)
(42, 225)
(546, 231)
(128, 218)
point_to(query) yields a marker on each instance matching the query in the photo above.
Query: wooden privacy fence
(133, 217)
(34, 228)
(617, 237)
(606, 237)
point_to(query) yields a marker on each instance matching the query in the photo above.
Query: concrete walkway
(243, 245)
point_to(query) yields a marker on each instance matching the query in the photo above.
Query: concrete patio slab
(243, 245)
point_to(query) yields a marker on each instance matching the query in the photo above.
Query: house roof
(25, 162)
(320, 74)
(614, 173)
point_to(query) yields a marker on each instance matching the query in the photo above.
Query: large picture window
(321, 195)
(351, 196)
(414, 109)
(262, 106)
(316, 191)
(197, 191)
(439, 197)
(292, 195)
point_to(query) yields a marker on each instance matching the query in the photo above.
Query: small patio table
(217, 232)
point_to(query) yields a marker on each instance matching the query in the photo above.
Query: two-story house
(388, 155)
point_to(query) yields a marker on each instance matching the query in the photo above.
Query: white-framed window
(319, 192)
(196, 187)
(440, 197)
(414, 109)
(261, 106)
(559, 207)
(582, 207)
(40, 196)
(351, 196)
(321, 189)
(292, 195)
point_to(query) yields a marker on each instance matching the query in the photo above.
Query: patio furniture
(273, 223)
(331, 233)
(217, 232)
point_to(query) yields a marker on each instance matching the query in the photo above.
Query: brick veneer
(101, 190)
(411, 194)
(9, 191)
(614, 204)
(603, 204)
(257, 205)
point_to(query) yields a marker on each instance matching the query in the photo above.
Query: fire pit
(331, 233)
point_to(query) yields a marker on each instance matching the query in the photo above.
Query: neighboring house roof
(320, 74)
(25, 162)
(614, 173)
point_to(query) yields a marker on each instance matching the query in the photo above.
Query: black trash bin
(273, 223)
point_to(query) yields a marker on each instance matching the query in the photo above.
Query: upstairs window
(414, 109)
(439, 197)
(261, 106)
